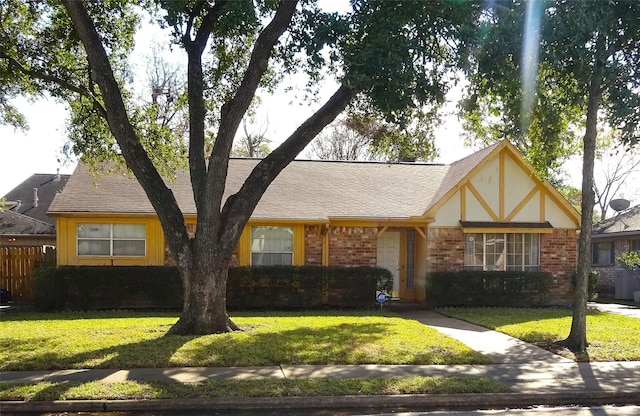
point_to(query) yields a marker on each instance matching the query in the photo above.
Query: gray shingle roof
(627, 222)
(48, 185)
(13, 223)
(304, 190)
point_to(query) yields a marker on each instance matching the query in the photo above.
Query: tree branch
(58, 81)
(238, 208)
(234, 110)
(195, 96)
(136, 157)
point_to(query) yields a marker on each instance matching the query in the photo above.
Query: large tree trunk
(204, 309)
(577, 339)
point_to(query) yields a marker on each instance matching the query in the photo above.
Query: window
(634, 245)
(603, 252)
(111, 240)
(271, 246)
(502, 251)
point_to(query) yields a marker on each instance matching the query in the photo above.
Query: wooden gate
(17, 266)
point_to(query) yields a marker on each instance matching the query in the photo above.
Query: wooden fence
(17, 265)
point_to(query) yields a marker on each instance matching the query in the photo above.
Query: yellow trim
(244, 245)
(66, 242)
(543, 199)
(431, 212)
(325, 249)
(524, 202)
(382, 230)
(482, 202)
(507, 230)
(513, 153)
(463, 203)
(419, 231)
(501, 186)
(284, 222)
(552, 192)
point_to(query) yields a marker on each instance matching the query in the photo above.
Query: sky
(39, 149)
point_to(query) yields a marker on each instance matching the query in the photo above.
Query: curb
(422, 402)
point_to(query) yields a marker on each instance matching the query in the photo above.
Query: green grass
(249, 388)
(611, 337)
(136, 340)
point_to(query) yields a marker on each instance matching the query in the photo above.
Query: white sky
(38, 150)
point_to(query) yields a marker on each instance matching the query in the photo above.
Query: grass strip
(46, 391)
(611, 337)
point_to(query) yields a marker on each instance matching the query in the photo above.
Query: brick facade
(558, 256)
(445, 249)
(312, 246)
(353, 246)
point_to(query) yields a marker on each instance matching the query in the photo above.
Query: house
(24, 220)
(609, 239)
(487, 211)
(25, 231)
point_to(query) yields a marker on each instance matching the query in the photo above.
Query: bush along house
(485, 212)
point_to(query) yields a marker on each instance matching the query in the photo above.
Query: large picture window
(502, 251)
(111, 240)
(271, 246)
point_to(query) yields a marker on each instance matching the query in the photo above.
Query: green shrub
(126, 287)
(494, 288)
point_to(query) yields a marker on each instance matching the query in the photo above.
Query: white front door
(389, 257)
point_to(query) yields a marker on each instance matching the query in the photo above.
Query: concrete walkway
(536, 376)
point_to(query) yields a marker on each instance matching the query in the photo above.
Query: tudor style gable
(502, 191)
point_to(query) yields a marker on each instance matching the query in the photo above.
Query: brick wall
(353, 246)
(312, 246)
(445, 249)
(558, 256)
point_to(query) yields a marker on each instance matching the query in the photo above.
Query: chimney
(57, 178)
(35, 197)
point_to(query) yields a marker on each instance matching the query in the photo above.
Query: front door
(389, 257)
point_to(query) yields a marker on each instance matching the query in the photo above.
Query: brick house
(610, 238)
(487, 211)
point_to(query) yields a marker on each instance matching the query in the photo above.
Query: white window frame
(255, 249)
(471, 257)
(111, 239)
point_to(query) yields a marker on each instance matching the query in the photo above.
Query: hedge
(274, 287)
(493, 288)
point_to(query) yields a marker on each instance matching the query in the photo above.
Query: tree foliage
(587, 63)
(391, 55)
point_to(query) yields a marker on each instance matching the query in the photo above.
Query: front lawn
(611, 337)
(136, 340)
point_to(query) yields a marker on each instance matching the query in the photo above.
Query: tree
(589, 51)
(341, 142)
(393, 55)
(252, 144)
(617, 165)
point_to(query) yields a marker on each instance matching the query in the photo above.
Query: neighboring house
(487, 211)
(25, 231)
(24, 220)
(610, 238)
